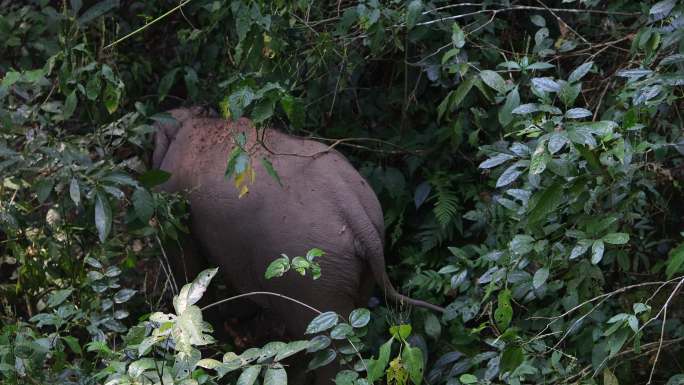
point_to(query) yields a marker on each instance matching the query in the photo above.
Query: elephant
(320, 201)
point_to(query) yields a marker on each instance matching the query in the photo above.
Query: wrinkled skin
(324, 202)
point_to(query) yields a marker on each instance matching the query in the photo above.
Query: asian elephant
(323, 203)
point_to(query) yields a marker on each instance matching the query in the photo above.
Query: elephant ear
(193, 292)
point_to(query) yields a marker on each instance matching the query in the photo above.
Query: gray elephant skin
(323, 203)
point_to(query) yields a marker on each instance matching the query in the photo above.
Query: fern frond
(447, 205)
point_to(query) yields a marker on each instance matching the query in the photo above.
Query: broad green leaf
(457, 36)
(401, 332)
(504, 311)
(70, 104)
(524, 109)
(278, 267)
(548, 201)
(73, 344)
(540, 158)
(103, 216)
(143, 204)
(57, 297)
(521, 244)
(413, 359)
(616, 238)
(249, 375)
(597, 251)
(317, 343)
(275, 375)
(578, 73)
(546, 84)
(432, 326)
(192, 292)
(557, 141)
(376, 368)
(509, 175)
(496, 160)
(359, 317)
(577, 113)
(346, 377)
(538, 20)
(292, 348)
(111, 98)
(413, 12)
(136, 368)
(540, 277)
(494, 80)
(123, 295)
(166, 82)
(506, 111)
(322, 322)
(675, 262)
(511, 358)
(609, 378)
(467, 379)
(581, 248)
(97, 10)
(341, 331)
(153, 178)
(322, 358)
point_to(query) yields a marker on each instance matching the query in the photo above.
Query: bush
(529, 157)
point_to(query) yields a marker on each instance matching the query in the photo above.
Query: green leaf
(73, 344)
(597, 251)
(578, 73)
(123, 295)
(494, 80)
(278, 267)
(609, 378)
(166, 82)
(111, 98)
(577, 113)
(103, 216)
(275, 375)
(322, 358)
(467, 378)
(249, 375)
(143, 204)
(509, 175)
(346, 377)
(268, 166)
(57, 297)
(548, 201)
(322, 322)
(341, 331)
(540, 277)
(540, 158)
(506, 111)
(675, 262)
(413, 359)
(70, 105)
(511, 358)
(75, 191)
(412, 13)
(432, 326)
(616, 238)
(292, 348)
(457, 36)
(192, 292)
(152, 178)
(504, 311)
(97, 10)
(538, 20)
(401, 332)
(137, 368)
(376, 368)
(521, 244)
(359, 317)
(319, 342)
(581, 248)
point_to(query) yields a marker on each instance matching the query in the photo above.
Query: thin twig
(144, 27)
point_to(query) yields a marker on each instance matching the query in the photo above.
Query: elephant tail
(374, 252)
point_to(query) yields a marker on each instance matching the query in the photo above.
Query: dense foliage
(529, 157)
